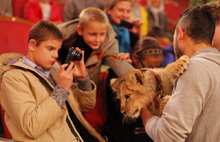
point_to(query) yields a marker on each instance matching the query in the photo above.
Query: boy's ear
(79, 30)
(32, 44)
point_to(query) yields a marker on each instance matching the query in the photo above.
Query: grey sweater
(73, 8)
(192, 113)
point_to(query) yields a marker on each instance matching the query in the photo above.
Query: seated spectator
(158, 34)
(157, 16)
(6, 8)
(36, 10)
(118, 10)
(147, 53)
(40, 100)
(73, 8)
(93, 34)
(139, 11)
(165, 43)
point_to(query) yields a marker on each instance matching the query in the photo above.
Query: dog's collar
(159, 88)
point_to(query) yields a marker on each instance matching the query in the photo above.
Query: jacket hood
(211, 54)
(8, 58)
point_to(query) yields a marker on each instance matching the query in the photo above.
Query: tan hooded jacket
(30, 113)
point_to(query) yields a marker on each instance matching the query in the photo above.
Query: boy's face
(45, 54)
(93, 33)
(121, 11)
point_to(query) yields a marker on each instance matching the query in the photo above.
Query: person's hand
(146, 115)
(75, 69)
(125, 57)
(79, 69)
(66, 76)
(137, 26)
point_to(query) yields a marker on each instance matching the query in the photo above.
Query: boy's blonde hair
(92, 14)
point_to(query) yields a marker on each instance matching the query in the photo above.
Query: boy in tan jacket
(38, 94)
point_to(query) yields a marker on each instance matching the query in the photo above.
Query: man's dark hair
(214, 9)
(198, 24)
(44, 30)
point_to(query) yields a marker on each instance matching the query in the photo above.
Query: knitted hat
(147, 46)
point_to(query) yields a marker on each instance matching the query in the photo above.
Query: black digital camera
(126, 24)
(73, 55)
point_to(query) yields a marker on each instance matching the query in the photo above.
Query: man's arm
(183, 108)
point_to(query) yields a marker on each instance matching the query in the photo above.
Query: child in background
(93, 34)
(139, 11)
(36, 10)
(147, 53)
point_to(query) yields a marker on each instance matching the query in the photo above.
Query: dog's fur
(139, 87)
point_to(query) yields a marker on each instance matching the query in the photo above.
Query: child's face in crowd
(45, 54)
(155, 3)
(44, 1)
(120, 11)
(152, 60)
(148, 61)
(93, 33)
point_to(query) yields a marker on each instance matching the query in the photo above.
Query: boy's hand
(79, 69)
(66, 76)
(125, 57)
(75, 69)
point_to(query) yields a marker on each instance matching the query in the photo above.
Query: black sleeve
(133, 38)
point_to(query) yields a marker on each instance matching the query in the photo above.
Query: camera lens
(76, 55)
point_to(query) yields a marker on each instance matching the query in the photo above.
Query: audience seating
(13, 38)
(18, 7)
(14, 34)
